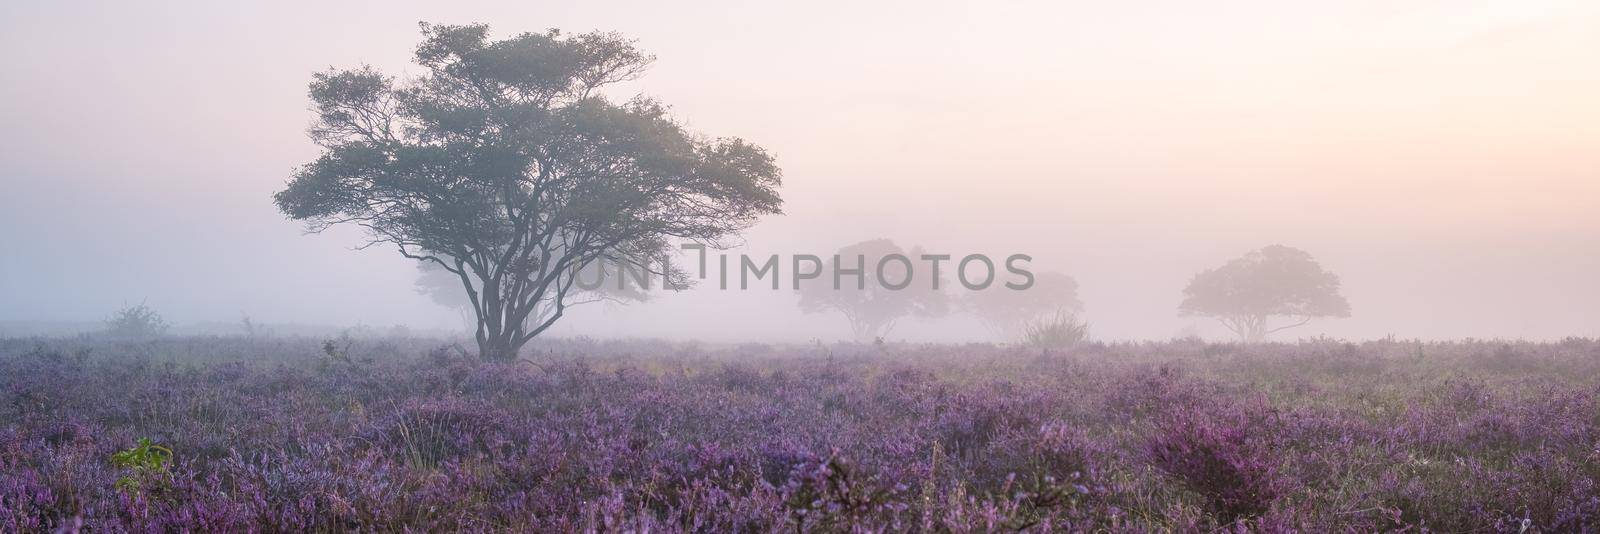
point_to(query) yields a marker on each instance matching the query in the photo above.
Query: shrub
(1217, 457)
(136, 323)
(1058, 332)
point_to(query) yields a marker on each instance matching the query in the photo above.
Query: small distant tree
(136, 323)
(248, 326)
(505, 164)
(1007, 312)
(873, 305)
(1247, 293)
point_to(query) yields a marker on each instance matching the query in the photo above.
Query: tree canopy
(1007, 311)
(506, 165)
(878, 297)
(1275, 281)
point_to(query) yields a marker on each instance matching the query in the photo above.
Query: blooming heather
(271, 435)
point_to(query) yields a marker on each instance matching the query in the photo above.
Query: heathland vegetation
(387, 433)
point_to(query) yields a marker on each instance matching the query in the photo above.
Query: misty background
(1443, 158)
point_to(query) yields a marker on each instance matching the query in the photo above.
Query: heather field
(404, 434)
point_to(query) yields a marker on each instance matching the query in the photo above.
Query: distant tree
(873, 305)
(136, 323)
(1276, 281)
(441, 286)
(248, 326)
(1007, 312)
(504, 165)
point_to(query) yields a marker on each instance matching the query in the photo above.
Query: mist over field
(1438, 157)
(935, 266)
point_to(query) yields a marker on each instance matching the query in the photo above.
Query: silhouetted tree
(871, 303)
(1007, 312)
(1276, 281)
(504, 165)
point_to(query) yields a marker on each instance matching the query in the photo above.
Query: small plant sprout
(147, 464)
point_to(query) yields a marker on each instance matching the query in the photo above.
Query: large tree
(1247, 293)
(873, 298)
(504, 164)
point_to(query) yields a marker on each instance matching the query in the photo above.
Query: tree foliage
(1275, 281)
(871, 302)
(506, 166)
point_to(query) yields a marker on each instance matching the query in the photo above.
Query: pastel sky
(1443, 157)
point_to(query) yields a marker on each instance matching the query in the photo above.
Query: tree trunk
(501, 348)
(506, 322)
(1250, 329)
(497, 342)
(868, 331)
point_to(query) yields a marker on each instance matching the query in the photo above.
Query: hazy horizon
(1443, 158)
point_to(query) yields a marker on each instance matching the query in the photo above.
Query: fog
(1443, 158)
